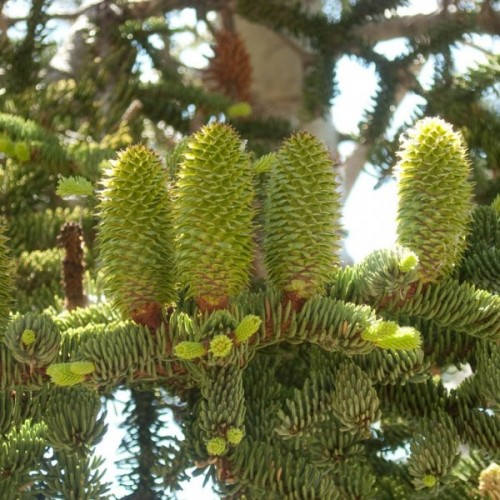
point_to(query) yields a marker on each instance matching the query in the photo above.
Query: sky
(368, 215)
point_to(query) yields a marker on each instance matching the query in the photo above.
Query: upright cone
(302, 229)
(136, 235)
(434, 197)
(214, 216)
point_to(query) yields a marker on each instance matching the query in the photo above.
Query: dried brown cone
(229, 70)
(71, 239)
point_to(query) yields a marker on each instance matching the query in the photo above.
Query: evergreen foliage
(336, 364)
(308, 380)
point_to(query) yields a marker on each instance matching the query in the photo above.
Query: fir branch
(141, 444)
(25, 57)
(69, 475)
(266, 470)
(22, 451)
(222, 410)
(434, 452)
(291, 18)
(38, 230)
(16, 407)
(369, 10)
(43, 145)
(462, 307)
(394, 367)
(43, 346)
(74, 419)
(420, 24)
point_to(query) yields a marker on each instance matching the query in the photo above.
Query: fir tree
(201, 271)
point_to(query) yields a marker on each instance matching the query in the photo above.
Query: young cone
(302, 228)
(136, 235)
(214, 216)
(434, 197)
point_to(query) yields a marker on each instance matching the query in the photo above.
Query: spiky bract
(214, 216)
(136, 232)
(434, 197)
(302, 228)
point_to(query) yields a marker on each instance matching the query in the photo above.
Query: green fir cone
(6, 291)
(302, 217)
(434, 197)
(214, 216)
(136, 234)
